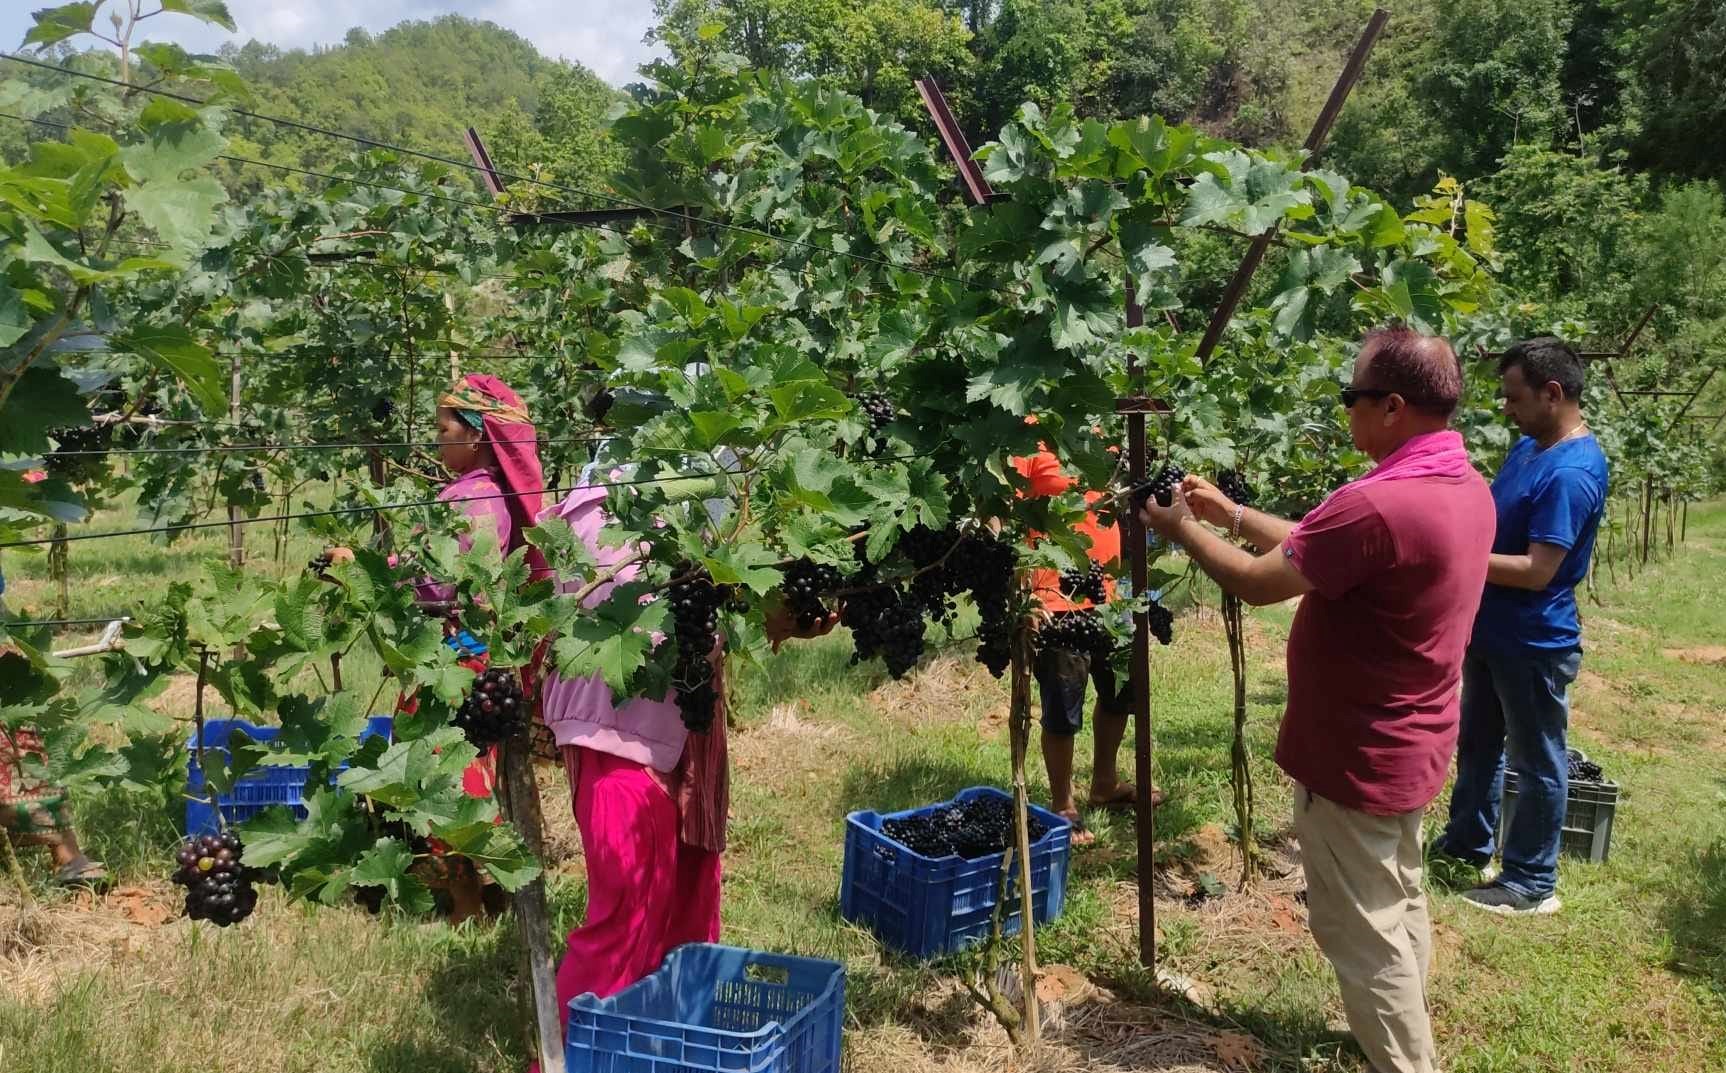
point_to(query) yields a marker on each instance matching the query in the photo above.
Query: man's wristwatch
(1235, 528)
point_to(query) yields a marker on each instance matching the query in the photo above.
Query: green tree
(872, 48)
(1492, 79)
(1683, 85)
(1568, 224)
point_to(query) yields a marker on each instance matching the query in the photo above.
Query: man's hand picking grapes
(1167, 521)
(1207, 501)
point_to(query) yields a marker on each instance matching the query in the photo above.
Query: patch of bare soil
(1707, 655)
(788, 744)
(1084, 1026)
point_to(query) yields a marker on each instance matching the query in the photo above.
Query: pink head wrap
(514, 443)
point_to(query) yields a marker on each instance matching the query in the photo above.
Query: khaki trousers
(1368, 913)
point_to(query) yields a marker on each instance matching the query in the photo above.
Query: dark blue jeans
(1515, 712)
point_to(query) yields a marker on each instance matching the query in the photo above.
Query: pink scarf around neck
(1431, 454)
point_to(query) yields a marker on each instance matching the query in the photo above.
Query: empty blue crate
(927, 907)
(714, 1009)
(258, 789)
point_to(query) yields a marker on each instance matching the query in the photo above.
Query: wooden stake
(1020, 724)
(236, 531)
(520, 800)
(60, 569)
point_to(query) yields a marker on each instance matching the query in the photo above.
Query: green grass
(1630, 976)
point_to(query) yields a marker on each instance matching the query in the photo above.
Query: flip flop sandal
(82, 873)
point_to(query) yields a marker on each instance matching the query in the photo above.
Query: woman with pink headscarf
(486, 439)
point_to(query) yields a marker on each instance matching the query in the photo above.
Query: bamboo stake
(520, 799)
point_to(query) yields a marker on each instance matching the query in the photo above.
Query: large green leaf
(172, 349)
(613, 639)
(386, 865)
(56, 24)
(214, 12)
(41, 399)
(181, 212)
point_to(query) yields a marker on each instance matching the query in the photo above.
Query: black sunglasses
(1352, 395)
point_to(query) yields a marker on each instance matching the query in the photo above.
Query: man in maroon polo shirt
(1390, 569)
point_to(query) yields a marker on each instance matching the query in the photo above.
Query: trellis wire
(381, 507)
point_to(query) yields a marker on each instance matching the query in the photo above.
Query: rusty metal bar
(1691, 401)
(482, 159)
(976, 187)
(1641, 324)
(1140, 670)
(1321, 128)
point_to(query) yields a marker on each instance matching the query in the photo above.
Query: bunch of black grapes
(383, 409)
(1584, 770)
(1230, 483)
(1162, 486)
(319, 565)
(218, 886)
(83, 453)
(1162, 623)
(970, 829)
(494, 708)
(1075, 631)
(805, 584)
(878, 408)
(1085, 584)
(884, 622)
(983, 566)
(695, 604)
(933, 584)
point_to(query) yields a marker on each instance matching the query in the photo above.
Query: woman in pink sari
(650, 799)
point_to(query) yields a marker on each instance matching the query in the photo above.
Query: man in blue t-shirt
(1527, 644)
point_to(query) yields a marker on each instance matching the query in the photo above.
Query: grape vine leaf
(611, 639)
(744, 561)
(386, 865)
(42, 399)
(172, 349)
(214, 12)
(15, 319)
(56, 24)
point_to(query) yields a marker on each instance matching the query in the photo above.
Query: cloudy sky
(605, 35)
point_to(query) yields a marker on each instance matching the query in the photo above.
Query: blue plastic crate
(929, 907)
(714, 1008)
(259, 788)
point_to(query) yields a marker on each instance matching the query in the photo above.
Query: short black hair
(1547, 359)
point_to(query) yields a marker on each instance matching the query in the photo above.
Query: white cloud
(605, 35)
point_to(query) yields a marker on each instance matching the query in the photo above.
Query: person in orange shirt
(1061, 674)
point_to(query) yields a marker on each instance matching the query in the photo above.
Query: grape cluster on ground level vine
(878, 408)
(218, 884)
(1075, 631)
(1087, 584)
(1162, 486)
(70, 462)
(1231, 484)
